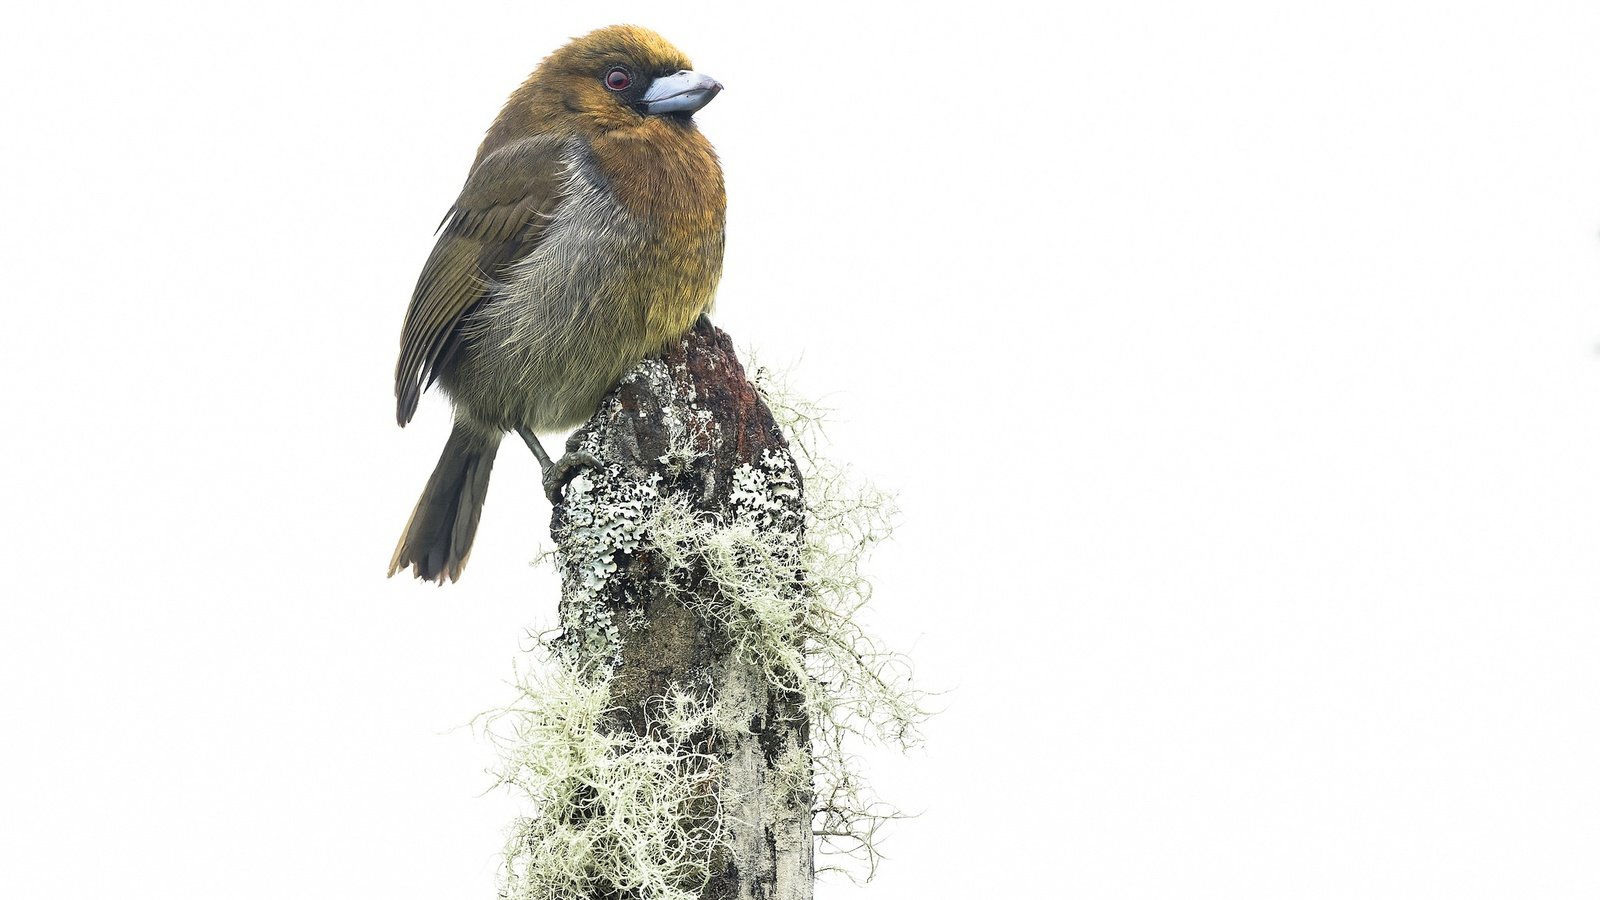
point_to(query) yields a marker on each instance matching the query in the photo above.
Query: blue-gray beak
(682, 92)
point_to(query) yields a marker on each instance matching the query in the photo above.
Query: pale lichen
(618, 813)
(614, 813)
(606, 520)
(784, 580)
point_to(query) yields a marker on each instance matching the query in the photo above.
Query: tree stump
(688, 430)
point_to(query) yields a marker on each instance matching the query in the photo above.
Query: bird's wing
(509, 198)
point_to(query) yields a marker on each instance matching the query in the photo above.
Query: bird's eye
(618, 79)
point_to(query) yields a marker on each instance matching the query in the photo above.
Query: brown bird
(588, 236)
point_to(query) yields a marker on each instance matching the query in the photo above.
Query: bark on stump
(684, 425)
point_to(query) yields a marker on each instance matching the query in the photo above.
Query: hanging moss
(635, 811)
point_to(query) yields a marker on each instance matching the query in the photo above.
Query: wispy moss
(786, 583)
(614, 813)
(619, 813)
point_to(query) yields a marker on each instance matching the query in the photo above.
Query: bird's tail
(438, 538)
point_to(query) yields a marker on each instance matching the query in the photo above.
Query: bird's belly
(601, 292)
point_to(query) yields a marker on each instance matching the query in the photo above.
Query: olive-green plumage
(588, 236)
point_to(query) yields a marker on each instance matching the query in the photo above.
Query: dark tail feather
(438, 538)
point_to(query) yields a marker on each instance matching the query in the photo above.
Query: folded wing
(509, 199)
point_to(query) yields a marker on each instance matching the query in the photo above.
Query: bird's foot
(558, 473)
(563, 470)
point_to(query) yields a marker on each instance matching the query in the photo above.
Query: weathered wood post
(686, 439)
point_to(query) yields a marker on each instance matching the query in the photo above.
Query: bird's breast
(613, 280)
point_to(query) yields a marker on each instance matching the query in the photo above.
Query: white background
(1235, 365)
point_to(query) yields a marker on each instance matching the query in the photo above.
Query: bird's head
(614, 78)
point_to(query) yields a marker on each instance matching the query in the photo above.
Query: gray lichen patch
(606, 519)
(768, 496)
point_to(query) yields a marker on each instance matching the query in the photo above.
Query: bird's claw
(563, 470)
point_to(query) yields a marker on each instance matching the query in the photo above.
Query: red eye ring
(618, 79)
